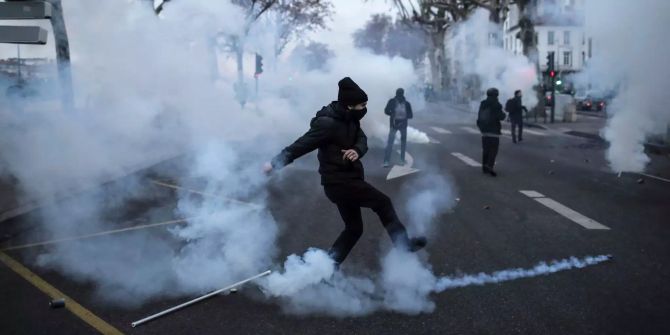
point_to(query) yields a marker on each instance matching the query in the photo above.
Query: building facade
(559, 29)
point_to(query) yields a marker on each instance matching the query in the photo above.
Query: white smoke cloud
(428, 196)
(309, 284)
(541, 269)
(479, 62)
(144, 92)
(629, 52)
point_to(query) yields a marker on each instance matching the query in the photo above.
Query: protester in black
(399, 111)
(488, 121)
(337, 134)
(515, 109)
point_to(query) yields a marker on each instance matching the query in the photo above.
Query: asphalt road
(493, 226)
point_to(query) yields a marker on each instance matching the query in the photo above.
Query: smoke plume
(629, 50)
(479, 61)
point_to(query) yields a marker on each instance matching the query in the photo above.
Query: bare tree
(384, 36)
(434, 21)
(294, 18)
(437, 16)
(313, 55)
(374, 33)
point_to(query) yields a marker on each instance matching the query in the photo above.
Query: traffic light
(550, 64)
(259, 64)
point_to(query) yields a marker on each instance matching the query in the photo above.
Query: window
(567, 58)
(550, 38)
(590, 47)
(551, 54)
(566, 37)
(583, 58)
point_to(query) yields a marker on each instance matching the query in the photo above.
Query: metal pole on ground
(201, 298)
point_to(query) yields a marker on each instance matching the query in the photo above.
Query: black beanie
(350, 94)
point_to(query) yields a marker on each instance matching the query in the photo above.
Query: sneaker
(417, 243)
(493, 173)
(403, 162)
(386, 164)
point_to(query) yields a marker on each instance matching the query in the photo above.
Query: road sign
(25, 10)
(23, 35)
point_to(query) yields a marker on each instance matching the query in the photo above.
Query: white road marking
(565, 211)
(467, 160)
(534, 132)
(440, 130)
(402, 170)
(532, 194)
(471, 130)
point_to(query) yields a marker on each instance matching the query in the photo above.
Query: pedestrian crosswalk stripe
(440, 130)
(470, 130)
(534, 132)
(467, 160)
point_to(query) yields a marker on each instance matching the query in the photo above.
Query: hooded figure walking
(515, 108)
(488, 120)
(399, 111)
(336, 133)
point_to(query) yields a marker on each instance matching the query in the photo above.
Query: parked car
(583, 101)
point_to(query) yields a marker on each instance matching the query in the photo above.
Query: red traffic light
(552, 74)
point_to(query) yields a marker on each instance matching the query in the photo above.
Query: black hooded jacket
(490, 115)
(515, 109)
(332, 130)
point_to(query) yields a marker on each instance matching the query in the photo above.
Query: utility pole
(18, 61)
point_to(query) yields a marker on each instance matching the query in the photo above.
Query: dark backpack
(483, 118)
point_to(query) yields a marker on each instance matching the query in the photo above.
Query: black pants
(489, 151)
(349, 198)
(517, 124)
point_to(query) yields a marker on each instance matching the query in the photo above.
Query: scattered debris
(57, 303)
(586, 160)
(487, 207)
(458, 199)
(551, 161)
(233, 290)
(640, 181)
(551, 172)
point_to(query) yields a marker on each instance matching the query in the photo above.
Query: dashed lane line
(565, 211)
